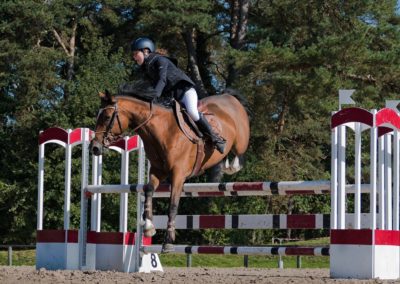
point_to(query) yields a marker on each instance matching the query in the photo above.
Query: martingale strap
(199, 158)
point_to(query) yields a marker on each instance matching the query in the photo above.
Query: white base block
(351, 261)
(109, 257)
(387, 263)
(90, 257)
(115, 257)
(53, 256)
(364, 261)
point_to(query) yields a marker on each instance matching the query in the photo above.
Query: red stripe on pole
(351, 114)
(385, 237)
(72, 236)
(299, 251)
(133, 143)
(50, 236)
(217, 193)
(247, 186)
(111, 238)
(147, 241)
(75, 136)
(212, 221)
(300, 221)
(163, 188)
(129, 238)
(384, 130)
(298, 192)
(114, 238)
(387, 115)
(53, 133)
(351, 237)
(120, 143)
(211, 250)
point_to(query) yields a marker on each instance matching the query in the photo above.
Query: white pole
(334, 183)
(99, 181)
(373, 171)
(342, 177)
(139, 204)
(123, 206)
(94, 218)
(84, 202)
(39, 224)
(388, 180)
(381, 182)
(67, 177)
(357, 176)
(396, 153)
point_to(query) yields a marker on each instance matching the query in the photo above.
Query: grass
(19, 257)
(27, 257)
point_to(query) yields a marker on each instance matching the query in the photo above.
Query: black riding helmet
(142, 43)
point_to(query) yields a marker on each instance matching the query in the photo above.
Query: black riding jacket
(165, 76)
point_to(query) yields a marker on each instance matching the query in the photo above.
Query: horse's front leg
(149, 229)
(176, 191)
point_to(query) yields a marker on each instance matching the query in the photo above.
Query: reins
(147, 119)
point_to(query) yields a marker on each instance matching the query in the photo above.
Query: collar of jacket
(150, 58)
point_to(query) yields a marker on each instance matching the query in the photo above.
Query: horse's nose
(96, 148)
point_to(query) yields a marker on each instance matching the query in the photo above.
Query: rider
(168, 79)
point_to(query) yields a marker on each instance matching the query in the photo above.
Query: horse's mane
(241, 99)
(162, 102)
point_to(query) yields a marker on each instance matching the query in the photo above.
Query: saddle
(192, 132)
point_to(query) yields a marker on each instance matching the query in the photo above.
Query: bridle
(108, 136)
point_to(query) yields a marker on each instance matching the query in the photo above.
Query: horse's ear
(106, 96)
(110, 97)
(102, 95)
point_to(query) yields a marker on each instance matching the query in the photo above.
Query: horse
(171, 154)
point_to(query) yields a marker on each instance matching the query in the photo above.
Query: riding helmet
(142, 43)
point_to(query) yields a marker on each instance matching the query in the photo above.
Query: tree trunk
(190, 41)
(239, 19)
(69, 48)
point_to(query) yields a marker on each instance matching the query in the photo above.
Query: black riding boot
(205, 128)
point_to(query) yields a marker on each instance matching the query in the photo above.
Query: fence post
(299, 261)
(246, 260)
(280, 262)
(188, 260)
(10, 255)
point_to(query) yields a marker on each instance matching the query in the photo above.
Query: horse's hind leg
(176, 191)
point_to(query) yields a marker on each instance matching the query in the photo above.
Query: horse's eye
(107, 117)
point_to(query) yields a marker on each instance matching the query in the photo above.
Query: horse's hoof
(149, 233)
(166, 248)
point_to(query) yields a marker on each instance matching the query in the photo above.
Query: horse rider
(168, 79)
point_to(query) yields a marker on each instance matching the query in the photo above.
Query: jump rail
(231, 188)
(270, 250)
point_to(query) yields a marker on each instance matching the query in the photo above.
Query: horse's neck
(139, 113)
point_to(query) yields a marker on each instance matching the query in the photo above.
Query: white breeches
(189, 100)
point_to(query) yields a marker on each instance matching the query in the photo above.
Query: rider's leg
(189, 99)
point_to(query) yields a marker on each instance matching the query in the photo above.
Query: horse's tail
(241, 99)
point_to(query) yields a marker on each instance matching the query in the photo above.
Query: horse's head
(109, 124)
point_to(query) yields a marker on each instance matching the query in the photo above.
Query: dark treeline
(288, 58)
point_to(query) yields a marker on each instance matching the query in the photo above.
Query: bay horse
(171, 154)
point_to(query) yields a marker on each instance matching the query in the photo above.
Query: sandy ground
(28, 274)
